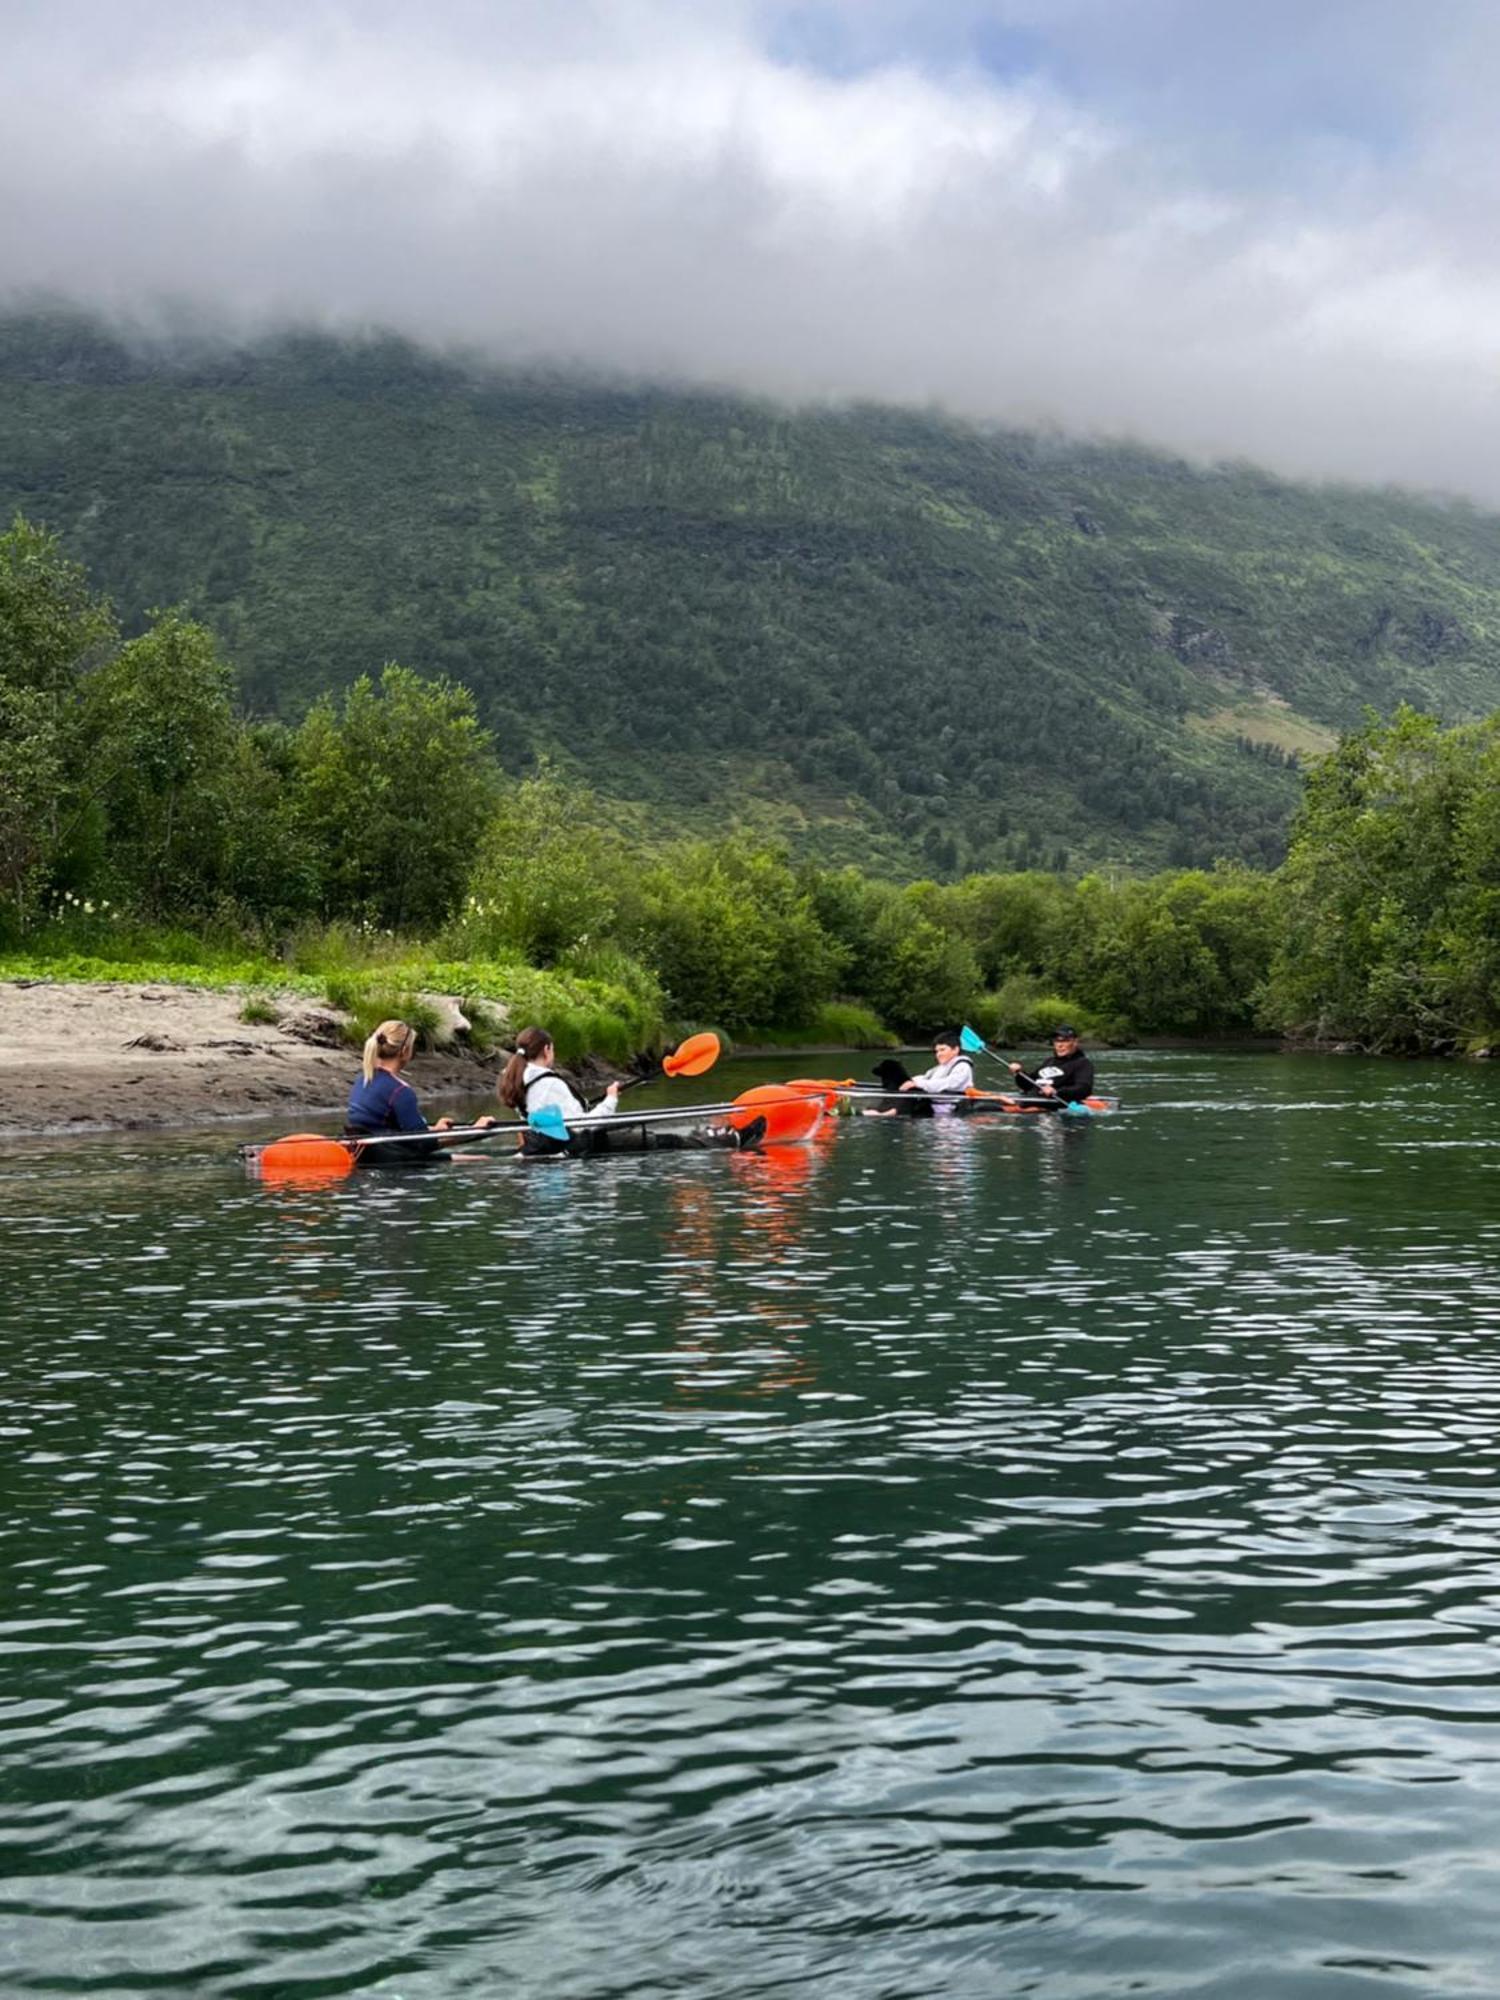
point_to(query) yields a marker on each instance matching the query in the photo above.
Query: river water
(960, 1559)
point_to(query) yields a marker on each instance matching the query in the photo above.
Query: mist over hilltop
(1255, 231)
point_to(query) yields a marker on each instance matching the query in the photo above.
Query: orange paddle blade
(697, 1053)
(303, 1155)
(792, 1116)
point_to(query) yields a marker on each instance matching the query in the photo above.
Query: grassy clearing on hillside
(1266, 722)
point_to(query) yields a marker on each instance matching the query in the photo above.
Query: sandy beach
(80, 1058)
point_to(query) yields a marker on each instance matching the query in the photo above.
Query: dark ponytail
(529, 1046)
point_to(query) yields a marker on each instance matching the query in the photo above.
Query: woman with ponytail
(529, 1082)
(382, 1101)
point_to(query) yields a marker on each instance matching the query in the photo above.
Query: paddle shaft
(859, 1094)
(678, 1115)
(446, 1135)
(948, 1096)
(476, 1134)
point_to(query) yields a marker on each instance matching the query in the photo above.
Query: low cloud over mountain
(1234, 230)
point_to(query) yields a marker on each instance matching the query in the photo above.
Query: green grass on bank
(78, 968)
(611, 1009)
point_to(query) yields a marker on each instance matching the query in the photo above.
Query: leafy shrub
(612, 1018)
(851, 1026)
(734, 936)
(841, 1024)
(1023, 1010)
(546, 880)
(371, 1000)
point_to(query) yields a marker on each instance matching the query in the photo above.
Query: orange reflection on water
(737, 1300)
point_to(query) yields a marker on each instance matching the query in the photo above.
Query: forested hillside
(892, 637)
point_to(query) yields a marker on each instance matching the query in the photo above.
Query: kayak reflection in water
(1068, 1075)
(950, 1076)
(530, 1083)
(383, 1101)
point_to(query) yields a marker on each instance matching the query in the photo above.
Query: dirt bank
(100, 1058)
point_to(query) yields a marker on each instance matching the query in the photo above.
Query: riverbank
(108, 1057)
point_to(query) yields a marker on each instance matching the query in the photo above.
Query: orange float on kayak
(301, 1156)
(826, 1087)
(792, 1116)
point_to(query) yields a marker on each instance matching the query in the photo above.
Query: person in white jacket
(529, 1082)
(950, 1076)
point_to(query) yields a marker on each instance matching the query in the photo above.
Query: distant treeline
(132, 794)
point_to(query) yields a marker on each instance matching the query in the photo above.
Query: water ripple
(965, 1558)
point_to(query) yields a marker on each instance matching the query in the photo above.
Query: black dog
(892, 1074)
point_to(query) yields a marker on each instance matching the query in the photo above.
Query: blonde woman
(383, 1101)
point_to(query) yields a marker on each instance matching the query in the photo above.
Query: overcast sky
(1264, 228)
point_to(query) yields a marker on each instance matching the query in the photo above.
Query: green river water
(959, 1559)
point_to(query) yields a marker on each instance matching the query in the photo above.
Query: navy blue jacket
(384, 1104)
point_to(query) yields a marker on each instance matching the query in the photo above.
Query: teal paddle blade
(547, 1118)
(971, 1043)
(1077, 1111)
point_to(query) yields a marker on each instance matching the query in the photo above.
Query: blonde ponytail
(391, 1041)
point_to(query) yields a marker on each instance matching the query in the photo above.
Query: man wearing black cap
(1068, 1076)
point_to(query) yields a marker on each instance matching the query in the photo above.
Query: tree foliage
(547, 880)
(394, 784)
(734, 936)
(162, 763)
(1391, 929)
(51, 626)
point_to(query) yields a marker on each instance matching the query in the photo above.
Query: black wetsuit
(1071, 1077)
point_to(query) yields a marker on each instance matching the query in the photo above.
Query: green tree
(271, 867)
(394, 786)
(547, 879)
(1012, 922)
(163, 758)
(52, 627)
(734, 937)
(1185, 954)
(1389, 885)
(917, 972)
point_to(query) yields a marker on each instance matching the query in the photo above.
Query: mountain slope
(896, 638)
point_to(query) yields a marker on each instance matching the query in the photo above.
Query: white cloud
(644, 187)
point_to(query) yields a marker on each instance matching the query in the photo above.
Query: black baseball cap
(1064, 1034)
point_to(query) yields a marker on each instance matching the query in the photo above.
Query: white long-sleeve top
(944, 1078)
(544, 1086)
